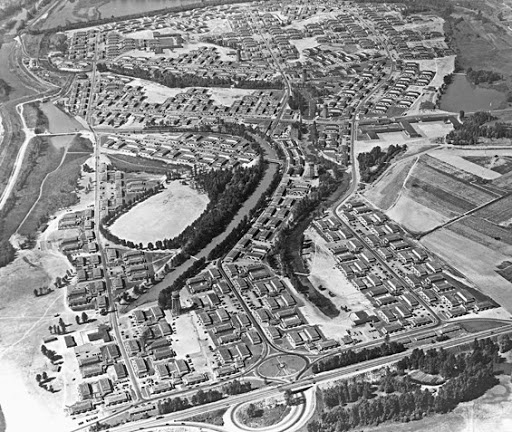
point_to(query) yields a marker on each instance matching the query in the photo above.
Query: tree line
(202, 397)
(181, 80)
(355, 404)
(372, 163)
(227, 191)
(350, 357)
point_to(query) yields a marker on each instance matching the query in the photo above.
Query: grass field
(133, 164)
(499, 212)
(497, 163)
(386, 190)
(415, 217)
(484, 232)
(41, 159)
(58, 192)
(175, 208)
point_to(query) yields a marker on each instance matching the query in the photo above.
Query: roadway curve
(293, 421)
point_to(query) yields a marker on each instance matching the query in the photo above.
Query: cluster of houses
(102, 370)
(258, 241)
(118, 101)
(201, 151)
(398, 300)
(273, 307)
(84, 240)
(90, 291)
(403, 91)
(150, 350)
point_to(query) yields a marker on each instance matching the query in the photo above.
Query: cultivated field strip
(498, 212)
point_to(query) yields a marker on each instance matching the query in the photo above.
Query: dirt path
(29, 134)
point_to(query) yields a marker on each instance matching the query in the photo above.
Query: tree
(38, 377)
(50, 329)
(62, 323)
(45, 376)
(85, 318)
(77, 319)
(36, 294)
(44, 350)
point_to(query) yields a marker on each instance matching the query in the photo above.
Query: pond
(462, 95)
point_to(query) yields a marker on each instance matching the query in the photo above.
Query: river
(462, 95)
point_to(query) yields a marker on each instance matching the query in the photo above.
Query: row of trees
(483, 76)
(227, 190)
(350, 357)
(181, 80)
(202, 397)
(404, 400)
(372, 163)
(165, 296)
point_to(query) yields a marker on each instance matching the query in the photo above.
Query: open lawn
(164, 215)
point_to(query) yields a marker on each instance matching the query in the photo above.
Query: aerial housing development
(250, 216)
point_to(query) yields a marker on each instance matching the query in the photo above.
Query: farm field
(499, 212)
(456, 158)
(500, 162)
(175, 208)
(475, 260)
(484, 232)
(415, 217)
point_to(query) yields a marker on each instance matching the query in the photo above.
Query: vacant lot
(164, 215)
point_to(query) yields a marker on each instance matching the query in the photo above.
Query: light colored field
(227, 96)
(475, 261)
(156, 93)
(453, 157)
(186, 340)
(23, 324)
(433, 129)
(161, 216)
(323, 272)
(386, 190)
(414, 216)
